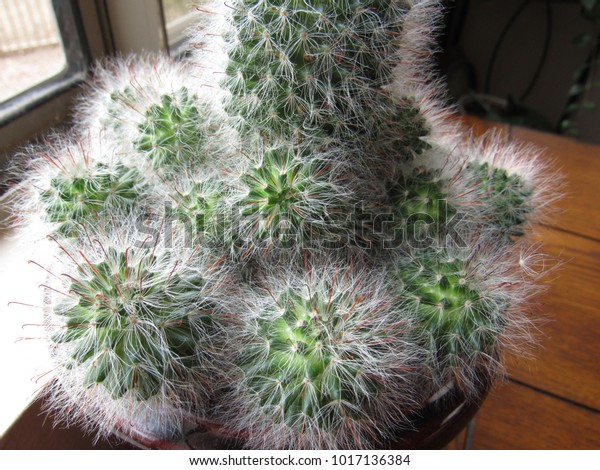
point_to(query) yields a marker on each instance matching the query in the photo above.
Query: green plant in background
(583, 77)
(294, 144)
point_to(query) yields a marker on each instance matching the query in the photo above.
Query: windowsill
(27, 364)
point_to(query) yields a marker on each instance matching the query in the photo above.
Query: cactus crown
(172, 132)
(131, 325)
(302, 360)
(287, 198)
(508, 197)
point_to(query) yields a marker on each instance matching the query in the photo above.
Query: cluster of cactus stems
(285, 232)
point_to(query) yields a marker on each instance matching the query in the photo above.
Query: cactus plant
(135, 326)
(354, 251)
(461, 304)
(330, 360)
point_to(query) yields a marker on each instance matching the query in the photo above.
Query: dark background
(524, 62)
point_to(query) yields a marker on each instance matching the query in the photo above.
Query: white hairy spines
(294, 198)
(142, 81)
(208, 49)
(470, 302)
(417, 43)
(328, 359)
(70, 181)
(416, 77)
(136, 330)
(311, 71)
(154, 106)
(525, 163)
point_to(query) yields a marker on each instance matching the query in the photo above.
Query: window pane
(175, 9)
(30, 45)
(180, 15)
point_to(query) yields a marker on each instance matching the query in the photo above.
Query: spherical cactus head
(514, 183)
(326, 362)
(137, 330)
(74, 181)
(90, 195)
(153, 113)
(420, 206)
(174, 132)
(202, 206)
(291, 200)
(508, 198)
(466, 301)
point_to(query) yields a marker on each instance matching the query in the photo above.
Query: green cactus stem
(134, 328)
(403, 134)
(173, 132)
(462, 319)
(320, 368)
(291, 200)
(203, 206)
(420, 205)
(312, 67)
(507, 197)
(71, 200)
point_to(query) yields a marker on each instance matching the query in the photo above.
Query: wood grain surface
(516, 417)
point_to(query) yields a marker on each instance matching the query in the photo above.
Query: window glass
(175, 9)
(31, 49)
(179, 16)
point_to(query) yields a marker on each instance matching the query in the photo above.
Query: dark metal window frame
(75, 50)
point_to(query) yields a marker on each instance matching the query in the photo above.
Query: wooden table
(553, 401)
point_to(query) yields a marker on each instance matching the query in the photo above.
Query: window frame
(176, 33)
(76, 58)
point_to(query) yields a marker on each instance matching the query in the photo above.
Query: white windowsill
(26, 363)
